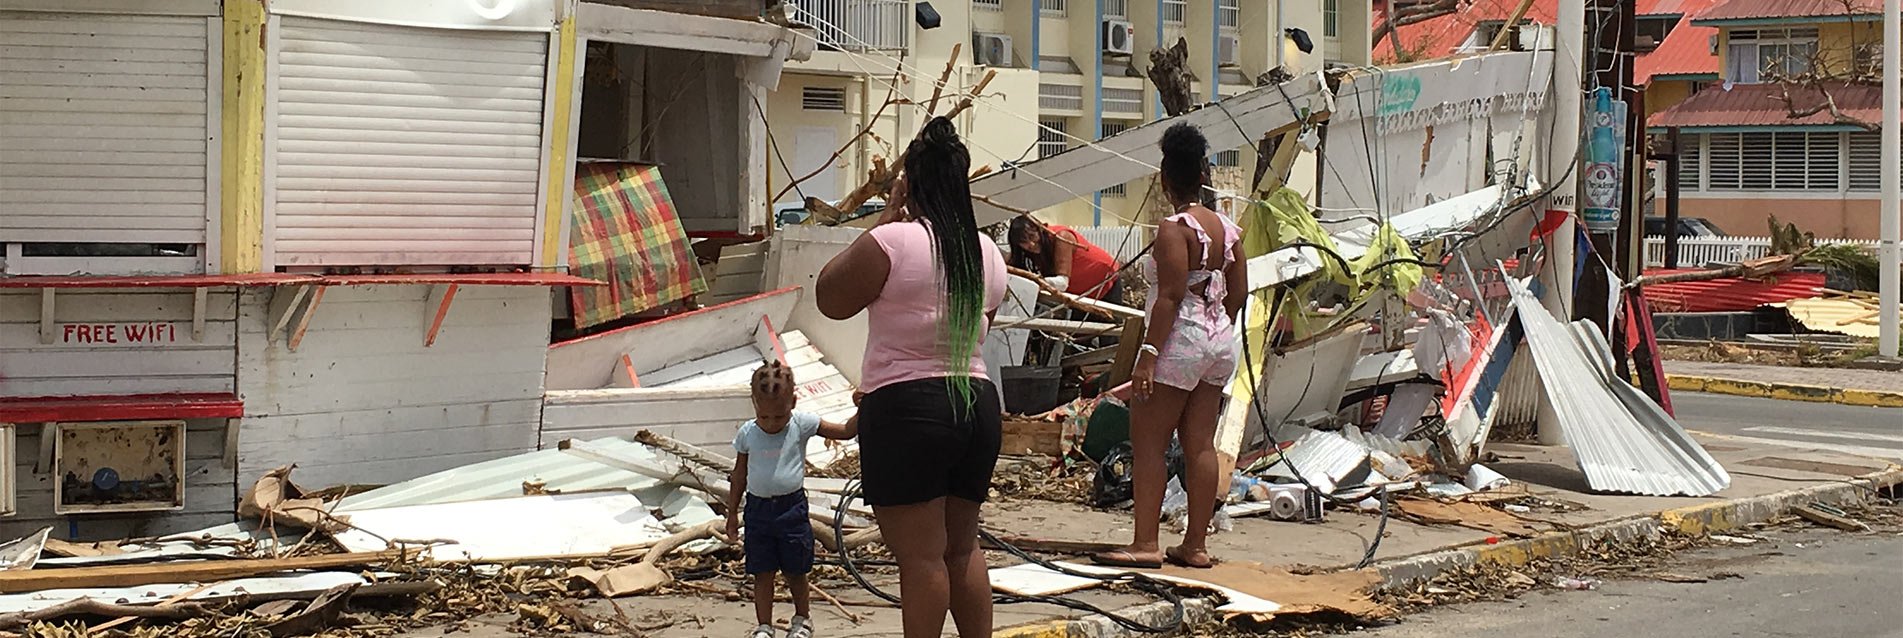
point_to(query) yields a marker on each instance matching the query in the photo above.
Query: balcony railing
(859, 25)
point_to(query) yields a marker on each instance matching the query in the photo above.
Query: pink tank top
(904, 335)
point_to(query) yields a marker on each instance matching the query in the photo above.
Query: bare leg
(916, 535)
(965, 565)
(796, 584)
(1152, 420)
(763, 597)
(1201, 471)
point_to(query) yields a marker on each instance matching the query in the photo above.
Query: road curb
(1785, 391)
(1704, 518)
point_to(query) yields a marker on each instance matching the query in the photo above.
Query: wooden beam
(440, 297)
(303, 321)
(47, 331)
(1127, 348)
(285, 301)
(200, 299)
(30, 580)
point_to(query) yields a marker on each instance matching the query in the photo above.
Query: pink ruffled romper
(1203, 346)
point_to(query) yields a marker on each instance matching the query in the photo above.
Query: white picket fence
(1694, 252)
(1122, 242)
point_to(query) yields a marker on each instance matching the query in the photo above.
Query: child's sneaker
(800, 628)
(762, 631)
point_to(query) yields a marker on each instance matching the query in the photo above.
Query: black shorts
(915, 445)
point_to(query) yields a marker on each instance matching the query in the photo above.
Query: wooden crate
(1032, 437)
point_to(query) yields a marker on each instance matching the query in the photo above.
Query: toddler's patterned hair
(772, 380)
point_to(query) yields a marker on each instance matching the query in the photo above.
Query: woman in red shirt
(1064, 258)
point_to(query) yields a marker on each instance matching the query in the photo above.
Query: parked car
(795, 212)
(1687, 227)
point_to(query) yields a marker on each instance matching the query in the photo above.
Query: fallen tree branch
(90, 607)
(1753, 269)
(1411, 14)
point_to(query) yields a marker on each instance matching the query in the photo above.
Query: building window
(1228, 159)
(1865, 157)
(823, 98)
(1050, 138)
(1229, 13)
(988, 5)
(1794, 161)
(1109, 129)
(1060, 97)
(1175, 11)
(1123, 101)
(1116, 9)
(1653, 29)
(1764, 55)
(1054, 7)
(1689, 162)
(1331, 18)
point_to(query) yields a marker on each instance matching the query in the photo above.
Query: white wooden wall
(363, 401)
(29, 368)
(211, 494)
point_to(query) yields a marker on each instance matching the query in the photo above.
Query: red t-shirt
(1091, 268)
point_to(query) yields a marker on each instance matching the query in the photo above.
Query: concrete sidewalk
(1766, 480)
(1872, 388)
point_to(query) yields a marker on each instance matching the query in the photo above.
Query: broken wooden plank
(1818, 515)
(1036, 437)
(14, 582)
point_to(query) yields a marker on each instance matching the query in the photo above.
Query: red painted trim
(675, 317)
(293, 279)
(469, 279)
(724, 234)
(159, 281)
(627, 367)
(120, 408)
(442, 310)
(773, 336)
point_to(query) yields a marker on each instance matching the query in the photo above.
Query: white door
(813, 148)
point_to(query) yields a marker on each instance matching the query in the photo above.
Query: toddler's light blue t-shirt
(776, 463)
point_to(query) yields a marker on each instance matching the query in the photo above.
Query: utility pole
(1892, 223)
(1562, 171)
(1611, 34)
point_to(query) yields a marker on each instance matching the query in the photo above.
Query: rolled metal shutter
(104, 131)
(405, 145)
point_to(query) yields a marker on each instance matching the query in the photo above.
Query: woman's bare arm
(852, 280)
(1236, 279)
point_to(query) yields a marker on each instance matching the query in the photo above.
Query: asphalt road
(1809, 583)
(1876, 432)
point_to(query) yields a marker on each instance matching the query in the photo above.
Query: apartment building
(1754, 143)
(1059, 70)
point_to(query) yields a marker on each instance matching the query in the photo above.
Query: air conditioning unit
(1228, 50)
(991, 49)
(1119, 37)
(118, 466)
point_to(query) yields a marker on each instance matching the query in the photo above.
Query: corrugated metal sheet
(1759, 105)
(1730, 295)
(1765, 9)
(1624, 441)
(1326, 459)
(405, 145)
(1841, 316)
(1686, 50)
(104, 128)
(502, 478)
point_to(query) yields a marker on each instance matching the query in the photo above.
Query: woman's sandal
(1175, 556)
(1123, 558)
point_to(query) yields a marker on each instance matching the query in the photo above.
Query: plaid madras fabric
(626, 234)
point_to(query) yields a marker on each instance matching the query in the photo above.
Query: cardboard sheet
(1466, 514)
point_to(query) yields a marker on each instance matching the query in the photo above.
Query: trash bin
(1031, 389)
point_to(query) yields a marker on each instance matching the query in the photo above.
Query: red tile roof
(1775, 9)
(1685, 51)
(1439, 37)
(1759, 105)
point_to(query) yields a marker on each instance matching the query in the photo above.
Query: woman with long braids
(929, 423)
(1198, 283)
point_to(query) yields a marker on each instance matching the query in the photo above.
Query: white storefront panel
(394, 145)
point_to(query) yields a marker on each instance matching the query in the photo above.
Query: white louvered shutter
(103, 128)
(405, 145)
